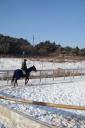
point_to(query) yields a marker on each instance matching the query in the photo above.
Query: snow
(63, 91)
(1, 125)
(14, 63)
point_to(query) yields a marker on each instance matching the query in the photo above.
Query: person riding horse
(18, 73)
(24, 66)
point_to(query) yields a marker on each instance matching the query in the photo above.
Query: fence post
(70, 73)
(64, 74)
(81, 72)
(45, 75)
(53, 74)
(40, 75)
(7, 77)
(73, 73)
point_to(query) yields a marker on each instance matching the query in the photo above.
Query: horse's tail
(13, 77)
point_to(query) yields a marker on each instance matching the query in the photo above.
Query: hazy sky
(62, 21)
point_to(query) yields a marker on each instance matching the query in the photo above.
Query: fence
(11, 118)
(52, 73)
(24, 101)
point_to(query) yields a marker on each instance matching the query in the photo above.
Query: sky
(62, 21)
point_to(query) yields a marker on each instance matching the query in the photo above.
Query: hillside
(10, 46)
(14, 46)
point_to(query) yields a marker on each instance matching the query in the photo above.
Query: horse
(18, 73)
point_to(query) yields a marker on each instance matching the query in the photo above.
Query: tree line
(20, 47)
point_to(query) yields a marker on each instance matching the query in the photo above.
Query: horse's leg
(13, 79)
(26, 80)
(15, 83)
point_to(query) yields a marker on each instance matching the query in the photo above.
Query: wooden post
(40, 75)
(70, 73)
(24, 101)
(81, 72)
(45, 76)
(7, 77)
(53, 74)
(73, 73)
(64, 74)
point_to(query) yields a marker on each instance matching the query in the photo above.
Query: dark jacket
(24, 66)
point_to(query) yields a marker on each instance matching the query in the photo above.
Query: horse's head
(34, 68)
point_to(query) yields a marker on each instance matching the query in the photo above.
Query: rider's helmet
(25, 59)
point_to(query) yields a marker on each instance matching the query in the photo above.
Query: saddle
(24, 73)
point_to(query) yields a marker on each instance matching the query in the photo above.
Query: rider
(24, 66)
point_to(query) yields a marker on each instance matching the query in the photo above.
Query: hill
(10, 46)
(14, 46)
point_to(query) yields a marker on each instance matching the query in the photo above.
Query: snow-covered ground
(63, 91)
(13, 63)
(2, 126)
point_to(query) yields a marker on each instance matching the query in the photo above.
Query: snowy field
(11, 64)
(63, 91)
